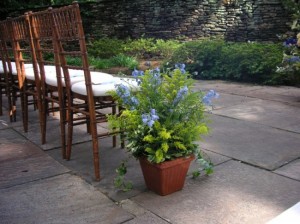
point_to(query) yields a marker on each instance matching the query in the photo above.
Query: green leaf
(149, 150)
(179, 145)
(148, 138)
(159, 156)
(165, 147)
(164, 134)
(196, 174)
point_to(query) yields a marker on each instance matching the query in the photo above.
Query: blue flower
(290, 42)
(154, 115)
(149, 119)
(124, 93)
(209, 96)
(136, 73)
(181, 67)
(134, 101)
(180, 94)
(293, 59)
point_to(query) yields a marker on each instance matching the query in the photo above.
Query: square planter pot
(166, 177)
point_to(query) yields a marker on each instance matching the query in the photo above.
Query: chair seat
(102, 89)
(13, 66)
(78, 76)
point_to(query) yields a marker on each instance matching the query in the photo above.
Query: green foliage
(288, 71)
(141, 48)
(125, 61)
(163, 118)
(165, 48)
(150, 47)
(99, 63)
(294, 9)
(217, 59)
(254, 62)
(105, 48)
(120, 60)
(76, 61)
(120, 181)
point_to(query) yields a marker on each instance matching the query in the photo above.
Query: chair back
(70, 39)
(23, 46)
(6, 49)
(45, 46)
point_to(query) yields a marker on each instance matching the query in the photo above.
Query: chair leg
(9, 101)
(62, 121)
(69, 135)
(87, 119)
(95, 149)
(13, 108)
(114, 137)
(1, 111)
(24, 103)
(43, 117)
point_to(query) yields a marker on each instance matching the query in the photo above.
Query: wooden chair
(51, 73)
(70, 39)
(7, 68)
(3, 74)
(49, 69)
(14, 71)
(26, 65)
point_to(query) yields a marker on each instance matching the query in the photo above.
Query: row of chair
(37, 51)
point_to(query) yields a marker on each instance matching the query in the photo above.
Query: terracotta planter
(167, 177)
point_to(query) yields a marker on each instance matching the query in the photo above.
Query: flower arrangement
(162, 119)
(292, 52)
(290, 65)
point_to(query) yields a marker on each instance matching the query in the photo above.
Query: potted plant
(160, 123)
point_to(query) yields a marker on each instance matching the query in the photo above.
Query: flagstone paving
(61, 199)
(235, 194)
(254, 143)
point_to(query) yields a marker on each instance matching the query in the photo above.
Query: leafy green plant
(99, 63)
(120, 181)
(106, 48)
(217, 59)
(125, 61)
(165, 48)
(164, 117)
(293, 7)
(120, 60)
(288, 71)
(76, 61)
(141, 48)
(254, 62)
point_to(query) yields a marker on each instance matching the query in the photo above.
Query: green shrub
(125, 61)
(105, 48)
(119, 60)
(98, 63)
(165, 48)
(76, 61)
(216, 59)
(254, 62)
(141, 48)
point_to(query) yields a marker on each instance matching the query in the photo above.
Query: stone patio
(254, 143)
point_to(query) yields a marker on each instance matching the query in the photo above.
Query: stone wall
(242, 20)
